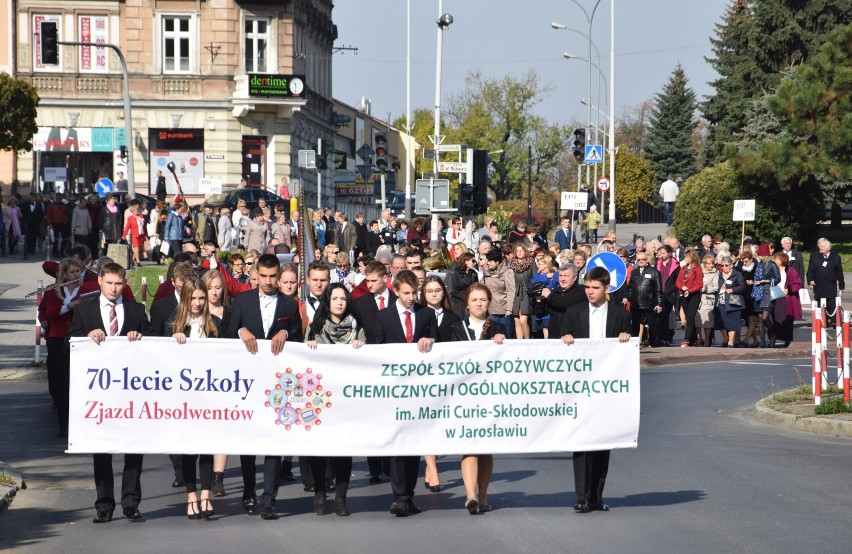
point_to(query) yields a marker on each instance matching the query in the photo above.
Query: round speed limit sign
(603, 184)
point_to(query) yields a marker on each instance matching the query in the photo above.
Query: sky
(503, 37)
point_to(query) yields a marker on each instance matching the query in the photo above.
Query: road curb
(34, 373)
(663, 357)
(9, 490)
(810, 424)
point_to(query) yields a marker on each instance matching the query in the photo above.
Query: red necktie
(409, 329)
(381, 302)
(113, 321)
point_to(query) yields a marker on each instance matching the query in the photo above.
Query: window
(257, 44)
(177, 51)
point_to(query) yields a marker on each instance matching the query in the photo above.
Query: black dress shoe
(288, 477)
(268, 513)
(598, 507)
(472, 505)
(340, 507)
(579, 506)
(250, 505)
(375, 479)
(132, 513)
(319, 503)
(414, 508)
(582, 509)
(309, 488)
(399, 508)
(178, 483)
(102, 517)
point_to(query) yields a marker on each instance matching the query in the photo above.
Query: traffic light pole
(128, 119)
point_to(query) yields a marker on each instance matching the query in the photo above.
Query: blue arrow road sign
(594, 154)
(612, 263)
(103, 186)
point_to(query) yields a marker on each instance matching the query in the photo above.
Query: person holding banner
(264, 313)
(477, 468)
(333, 323)
(108, 315)
(597, 320)
(193, 320)
(405, 322)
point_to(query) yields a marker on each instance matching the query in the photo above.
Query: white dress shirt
(267, 311)
(401, 310)
(105, 304)
(597, 321)
(384, 294)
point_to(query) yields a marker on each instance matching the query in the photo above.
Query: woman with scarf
(462, 275)
(745, 263)
(193, 320)
(341, 271)
(110, 222)
(522, 267)
(477, 325)
(730, 306)
(766, 274)
(333, 323)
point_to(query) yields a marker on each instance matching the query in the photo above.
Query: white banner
(210, 395)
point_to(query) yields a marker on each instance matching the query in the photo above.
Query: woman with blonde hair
(689, 283)
(193, 320)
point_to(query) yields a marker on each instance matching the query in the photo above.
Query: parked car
(250, 195)
(396, 203)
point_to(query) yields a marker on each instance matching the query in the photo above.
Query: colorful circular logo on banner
(298, 399)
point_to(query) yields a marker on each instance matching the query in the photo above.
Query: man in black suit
(794, 257)
(598, 319)
(98, 318)
(264, 313)
(405, 322)
(825, 274)
(365, 309)
(33, 216)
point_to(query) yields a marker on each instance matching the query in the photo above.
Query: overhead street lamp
(444, 21)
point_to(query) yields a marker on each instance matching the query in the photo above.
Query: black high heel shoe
(195, 508)
(207, 508)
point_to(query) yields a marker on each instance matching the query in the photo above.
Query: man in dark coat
(825, 274)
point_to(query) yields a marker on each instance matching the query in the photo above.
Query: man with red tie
(405, 322)
(366, 309)
(109, 315)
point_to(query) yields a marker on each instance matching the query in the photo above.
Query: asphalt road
(705, 478)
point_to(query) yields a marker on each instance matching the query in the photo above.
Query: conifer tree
(669, 143)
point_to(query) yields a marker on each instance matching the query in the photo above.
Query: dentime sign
(276, 86)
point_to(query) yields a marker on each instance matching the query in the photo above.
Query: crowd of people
(385, 281)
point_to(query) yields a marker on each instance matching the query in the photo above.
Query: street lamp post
(444, 21)
(611, 225)
(408, 125)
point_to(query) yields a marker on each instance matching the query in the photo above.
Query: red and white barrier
(838, 333)
(846, 357)
(144, 290)
(817, 352)
(39, 295)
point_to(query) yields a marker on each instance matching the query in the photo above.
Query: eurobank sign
(276, 86)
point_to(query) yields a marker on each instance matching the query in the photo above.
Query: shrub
(833, 405)
(634, 179)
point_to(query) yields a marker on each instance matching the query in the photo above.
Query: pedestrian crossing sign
(594, 154)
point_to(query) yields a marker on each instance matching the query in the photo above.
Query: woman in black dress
(333, 323)
(477, 325)
(434, 294)
(193, 320)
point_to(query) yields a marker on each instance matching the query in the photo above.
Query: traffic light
(467, 204)
(123, 151)
(579, 150)
(49, 39)
(478, 160)
(322, 162)
(381, 160)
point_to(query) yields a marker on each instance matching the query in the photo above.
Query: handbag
(775, 292)
(164, 248)
(735, 300)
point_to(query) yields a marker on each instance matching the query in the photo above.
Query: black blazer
(245, 312)
(87, 318)
(559, 301)
(576, 321)
(389, 327)
(461, 332)
(445, 328)
(365, 311)
(162, 312)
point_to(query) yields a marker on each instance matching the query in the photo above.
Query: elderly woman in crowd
(789, 308)
(730, 305)
(704, 319)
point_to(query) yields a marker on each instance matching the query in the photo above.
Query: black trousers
(378, 465)
(58, 378)
(271, 475)
(131, 485)
(690, 308)
(403, 475)
(590, 469)
(205, 470)
(341, 468)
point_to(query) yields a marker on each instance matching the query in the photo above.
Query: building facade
(226, 89)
